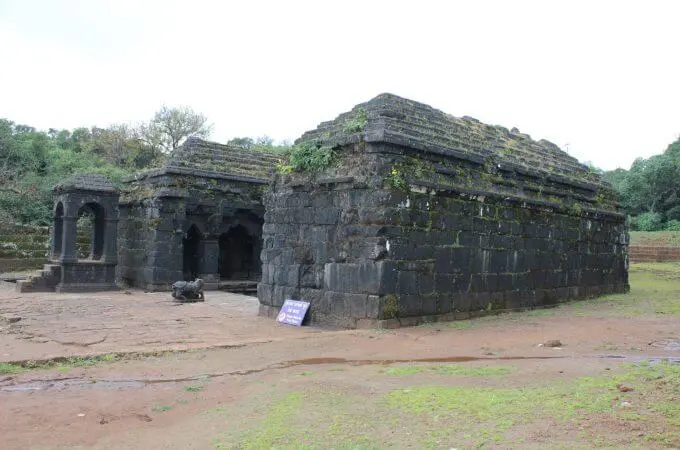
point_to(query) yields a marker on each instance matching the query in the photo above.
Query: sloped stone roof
(205, 156)
(87, 182)
(400, 121)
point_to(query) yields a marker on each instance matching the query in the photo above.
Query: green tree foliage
(170, 127)
(650, 189)
(261, 144)
(31, 162)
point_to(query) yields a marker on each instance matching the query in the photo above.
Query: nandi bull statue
(188, 291)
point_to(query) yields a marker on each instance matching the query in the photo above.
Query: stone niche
(198, 216)
(424, 216)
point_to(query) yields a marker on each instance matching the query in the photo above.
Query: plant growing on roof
(310, 157)
(357, 123)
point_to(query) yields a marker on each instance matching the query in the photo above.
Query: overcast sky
(598, 78)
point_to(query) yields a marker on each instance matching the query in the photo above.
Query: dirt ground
(214, 375)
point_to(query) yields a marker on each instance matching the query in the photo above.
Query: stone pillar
(110, 253)
(56, 236)
(69, 251)
(208, 264)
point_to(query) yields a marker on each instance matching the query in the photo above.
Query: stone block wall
(23, 247)
(392, 236)
(646, 253)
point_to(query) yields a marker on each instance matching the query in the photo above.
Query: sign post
(292, 312)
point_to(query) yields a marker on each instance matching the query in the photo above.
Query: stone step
(237, 154)
(43, 280)
(233, 158)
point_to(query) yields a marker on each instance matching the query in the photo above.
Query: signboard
(292, 312)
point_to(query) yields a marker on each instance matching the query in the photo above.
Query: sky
(601, 79)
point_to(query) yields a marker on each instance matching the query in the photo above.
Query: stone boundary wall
(647, 253)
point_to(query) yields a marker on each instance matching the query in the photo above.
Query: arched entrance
(237, 260)
(90, 232)
(192, 249)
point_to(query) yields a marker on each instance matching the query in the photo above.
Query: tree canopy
(32, 161)
(650, 190)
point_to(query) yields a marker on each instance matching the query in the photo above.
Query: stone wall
(399, 230)
(645, 253)
(23, 247)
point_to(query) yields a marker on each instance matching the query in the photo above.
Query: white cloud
(600, 76)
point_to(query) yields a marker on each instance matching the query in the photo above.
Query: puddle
(82, 383)
(367, 362)
(667, 344)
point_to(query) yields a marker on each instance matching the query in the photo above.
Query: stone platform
(49, 325)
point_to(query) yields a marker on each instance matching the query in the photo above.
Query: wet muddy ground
(598, 373)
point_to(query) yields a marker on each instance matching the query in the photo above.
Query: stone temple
(199, 216)
(424, 216)
(405, 214)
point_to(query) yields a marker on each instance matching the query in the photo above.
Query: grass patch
(193, 387)
(467, 417)
(8, 368)
(498, 409)
(655, 289)
(451, 369)
(273, 430)
(161, 408)
(655, 238)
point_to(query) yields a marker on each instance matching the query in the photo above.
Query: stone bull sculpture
(188, 291)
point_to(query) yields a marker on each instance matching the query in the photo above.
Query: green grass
(498, 409)
(9, 368)
(657, 238)
(445, 416)
(451, 369)
(273, 429)
(193, 387)
(161, 408)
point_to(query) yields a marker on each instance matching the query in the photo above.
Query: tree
(170, 127)
(242, 142)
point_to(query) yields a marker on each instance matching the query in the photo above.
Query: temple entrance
(192, 249)
(237, 260)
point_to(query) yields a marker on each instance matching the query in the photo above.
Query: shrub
(649, 222)
(672, 225)
(311, 157)
(357, 123)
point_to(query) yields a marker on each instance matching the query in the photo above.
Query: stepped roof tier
(462, 154)
(212, 160)
(86, 182)
(396, 120)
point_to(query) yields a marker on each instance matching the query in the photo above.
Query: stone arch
(191, 251)
(95, 233)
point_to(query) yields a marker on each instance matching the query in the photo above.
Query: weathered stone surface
(442, 216)
(199, 216)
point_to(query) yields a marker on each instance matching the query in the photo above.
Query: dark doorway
(192, 249)
(238, 260)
